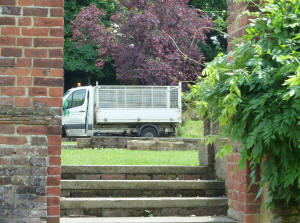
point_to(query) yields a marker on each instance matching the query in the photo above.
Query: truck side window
(76, 99)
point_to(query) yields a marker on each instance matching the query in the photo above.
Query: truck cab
(77, 117)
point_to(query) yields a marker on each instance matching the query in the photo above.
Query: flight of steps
(141, 194)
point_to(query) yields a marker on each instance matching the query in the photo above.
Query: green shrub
(254, 94)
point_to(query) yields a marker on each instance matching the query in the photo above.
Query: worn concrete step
(137, 188)
(204, 219)
(133, 172)
(136, 207)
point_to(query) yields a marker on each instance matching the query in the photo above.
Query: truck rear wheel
(149, 132)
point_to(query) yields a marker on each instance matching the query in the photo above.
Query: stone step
(136, 188)
(133, 172)
(136, 207)
(204, 219)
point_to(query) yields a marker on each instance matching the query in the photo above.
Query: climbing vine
(254, 94)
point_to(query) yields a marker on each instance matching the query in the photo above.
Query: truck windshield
(66, 93)
(76, 98)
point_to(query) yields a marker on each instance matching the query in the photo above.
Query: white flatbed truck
(146, 111)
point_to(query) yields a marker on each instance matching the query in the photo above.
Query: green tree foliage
(254, 93)
(82, 58)
(217, 41)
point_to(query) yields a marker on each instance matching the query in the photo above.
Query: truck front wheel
(149, 132)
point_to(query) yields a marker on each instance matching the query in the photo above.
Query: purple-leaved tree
(151, 41)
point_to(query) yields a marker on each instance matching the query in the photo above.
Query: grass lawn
(128, 157)
(190, 129)
(69, 143)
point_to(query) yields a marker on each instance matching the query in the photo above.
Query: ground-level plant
(254, 94)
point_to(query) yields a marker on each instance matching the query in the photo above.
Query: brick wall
(241, 198)
(31, 88)
(242, 201)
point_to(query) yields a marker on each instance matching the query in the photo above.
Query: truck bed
(143, 104)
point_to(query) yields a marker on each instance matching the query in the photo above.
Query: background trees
(151, 42)
(161, 71)
(80, 62)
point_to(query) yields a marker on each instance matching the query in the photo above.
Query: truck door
(75, 117)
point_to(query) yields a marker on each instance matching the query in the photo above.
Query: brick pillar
(241, 199)
(31, 88)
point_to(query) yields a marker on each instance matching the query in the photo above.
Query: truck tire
(149, 132)
(63, 132)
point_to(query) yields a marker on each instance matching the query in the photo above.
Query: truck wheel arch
(148, 126)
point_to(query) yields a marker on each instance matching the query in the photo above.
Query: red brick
(49, 82)
(35, 32)
(13, 91)
(48, 42)
(254, 188)
(113, 177)
(11, 52)
(6, 101)
(53, 211)
(6, 31)
(5, 181)
(53, 201)
(7, 62)
(56, 53)
(31, 130)
(54, 130)
(24, 21)
(3, 161)
(49, 3)
(13, 140)
(15, 71)
(53, 219)
(54, 150)
(56, 92)
(23, 62)
(55, 161)
(25, 2)
(251, 198)
(54, 170)
(7, 129)
(24, 81)
(49, 22)
(252, 208)
(250, 218)
(58, 32)
(55, 191)
(23, 102)
(47, 102)
(48, 63)
(7, 41)
(54, 140)
(57, 72)
(7, 21)
(7, 81)
(38, 91)
(53, 181)
(41, 12)
(40, 72)
(7, 2)
(57, 12)
(11, 10)
(24, 42)
(36, 53)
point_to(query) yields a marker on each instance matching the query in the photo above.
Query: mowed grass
(190, 129)
(128, 157)
(69, 143)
